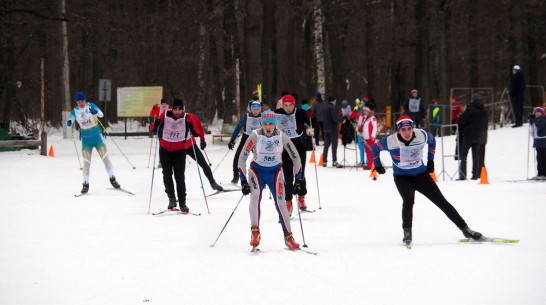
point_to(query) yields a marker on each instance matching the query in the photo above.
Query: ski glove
(93, 111)
(245, 188)
(203, 144)
(430, 166)
(380, 169)
(298, 186)
(231, 145)
(69, 123)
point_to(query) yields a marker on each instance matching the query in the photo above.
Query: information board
(138, 101)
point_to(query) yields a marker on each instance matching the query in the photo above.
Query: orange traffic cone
(433, 176)
(483, 176)
(373, 172)
(51, 153)
(320, 162)
(312, 160)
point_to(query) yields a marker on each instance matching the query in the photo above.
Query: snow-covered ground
(105, 249)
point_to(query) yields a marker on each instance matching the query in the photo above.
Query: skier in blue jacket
(87, 114)
(410, 173)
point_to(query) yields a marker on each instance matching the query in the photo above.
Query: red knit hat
(288, 99)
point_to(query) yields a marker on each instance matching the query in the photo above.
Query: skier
(410, 173)
(174, 139)
(249, 123)
(368, 124)
(157, 111)
(355, 117)
(267, 145)
(86, 115)
(291, 121)
(539, 140)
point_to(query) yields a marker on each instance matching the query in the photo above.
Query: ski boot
(114, 183)
(183, 208)
(85, 188)
(337, 165)
(407, 236)
(255, 236)
(471, 234)
(215, 186)
(172, 203)
(235, 179)
(289, 207)
(301, 201)
(290, 242)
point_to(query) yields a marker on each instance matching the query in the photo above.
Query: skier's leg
(103, 153)
(407, 192)
(167, 168)
(256, 183)
(87, 151)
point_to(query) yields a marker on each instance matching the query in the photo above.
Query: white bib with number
(85, 118)
(411, 156)
(287, 124)
(269, 150)
(174, 130)
(252, 123)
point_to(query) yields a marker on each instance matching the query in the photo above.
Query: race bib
(287, 124)
(174, 130)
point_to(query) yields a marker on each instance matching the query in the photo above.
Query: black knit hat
(178, 103)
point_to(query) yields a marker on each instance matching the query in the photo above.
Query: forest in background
(344, 48)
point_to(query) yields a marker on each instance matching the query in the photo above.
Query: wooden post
(43, 134)
(237, 88)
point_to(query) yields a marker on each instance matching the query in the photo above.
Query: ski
(175, 211)
(308, 211)
(302, 250)
(121, 190)
(79, 195)
(232, 184)
(218, 192)
(490, 240)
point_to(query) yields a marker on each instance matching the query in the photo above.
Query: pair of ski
(175, 211)
(111, 188)
(255, 249)
(483, 239)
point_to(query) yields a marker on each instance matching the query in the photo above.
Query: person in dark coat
(415, 108)
(331, 119)
(517, 94)
(473, 131)
(318, 119)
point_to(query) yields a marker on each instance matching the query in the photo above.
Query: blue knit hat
(404, 121)
(268, 116)
(79, 96)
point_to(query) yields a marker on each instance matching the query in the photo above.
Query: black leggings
(237, 153)
(288, 169)
(174, 162)
(423, 183)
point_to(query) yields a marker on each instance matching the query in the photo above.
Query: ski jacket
(267, 153)
(88, 122)
(517, 86)
(407, 156)
(247, 128)
(415, 109)
(473, 123)
(539, 135)
(317, 109)
(369, 128)
(456, 111)
(191, 127)
(331, 117)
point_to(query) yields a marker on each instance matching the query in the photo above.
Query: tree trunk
(442, 31)
(230, 53)
(202, 55)
(319, 46)
(422, 71)
(369, 42)
(473, 72)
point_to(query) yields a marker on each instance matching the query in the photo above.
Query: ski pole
(221, 161)
(301, 226)
(316, 174)
(116, 144)
(198, 170)
(150, 153)
(76, 148)
(153, 169)
(228, 220)
(210, 164)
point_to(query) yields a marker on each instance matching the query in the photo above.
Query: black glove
(298, 186)
(245, 188)
(231, 145)
(203, 144)
(380, 169)
(93, 111)
(430, 166)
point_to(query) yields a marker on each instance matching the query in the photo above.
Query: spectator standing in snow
(410, 174)
(345, 109)
(87, 114)
(473, 133)
(331, 119)
(517, 94)
(369, 132)
(317, 111)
